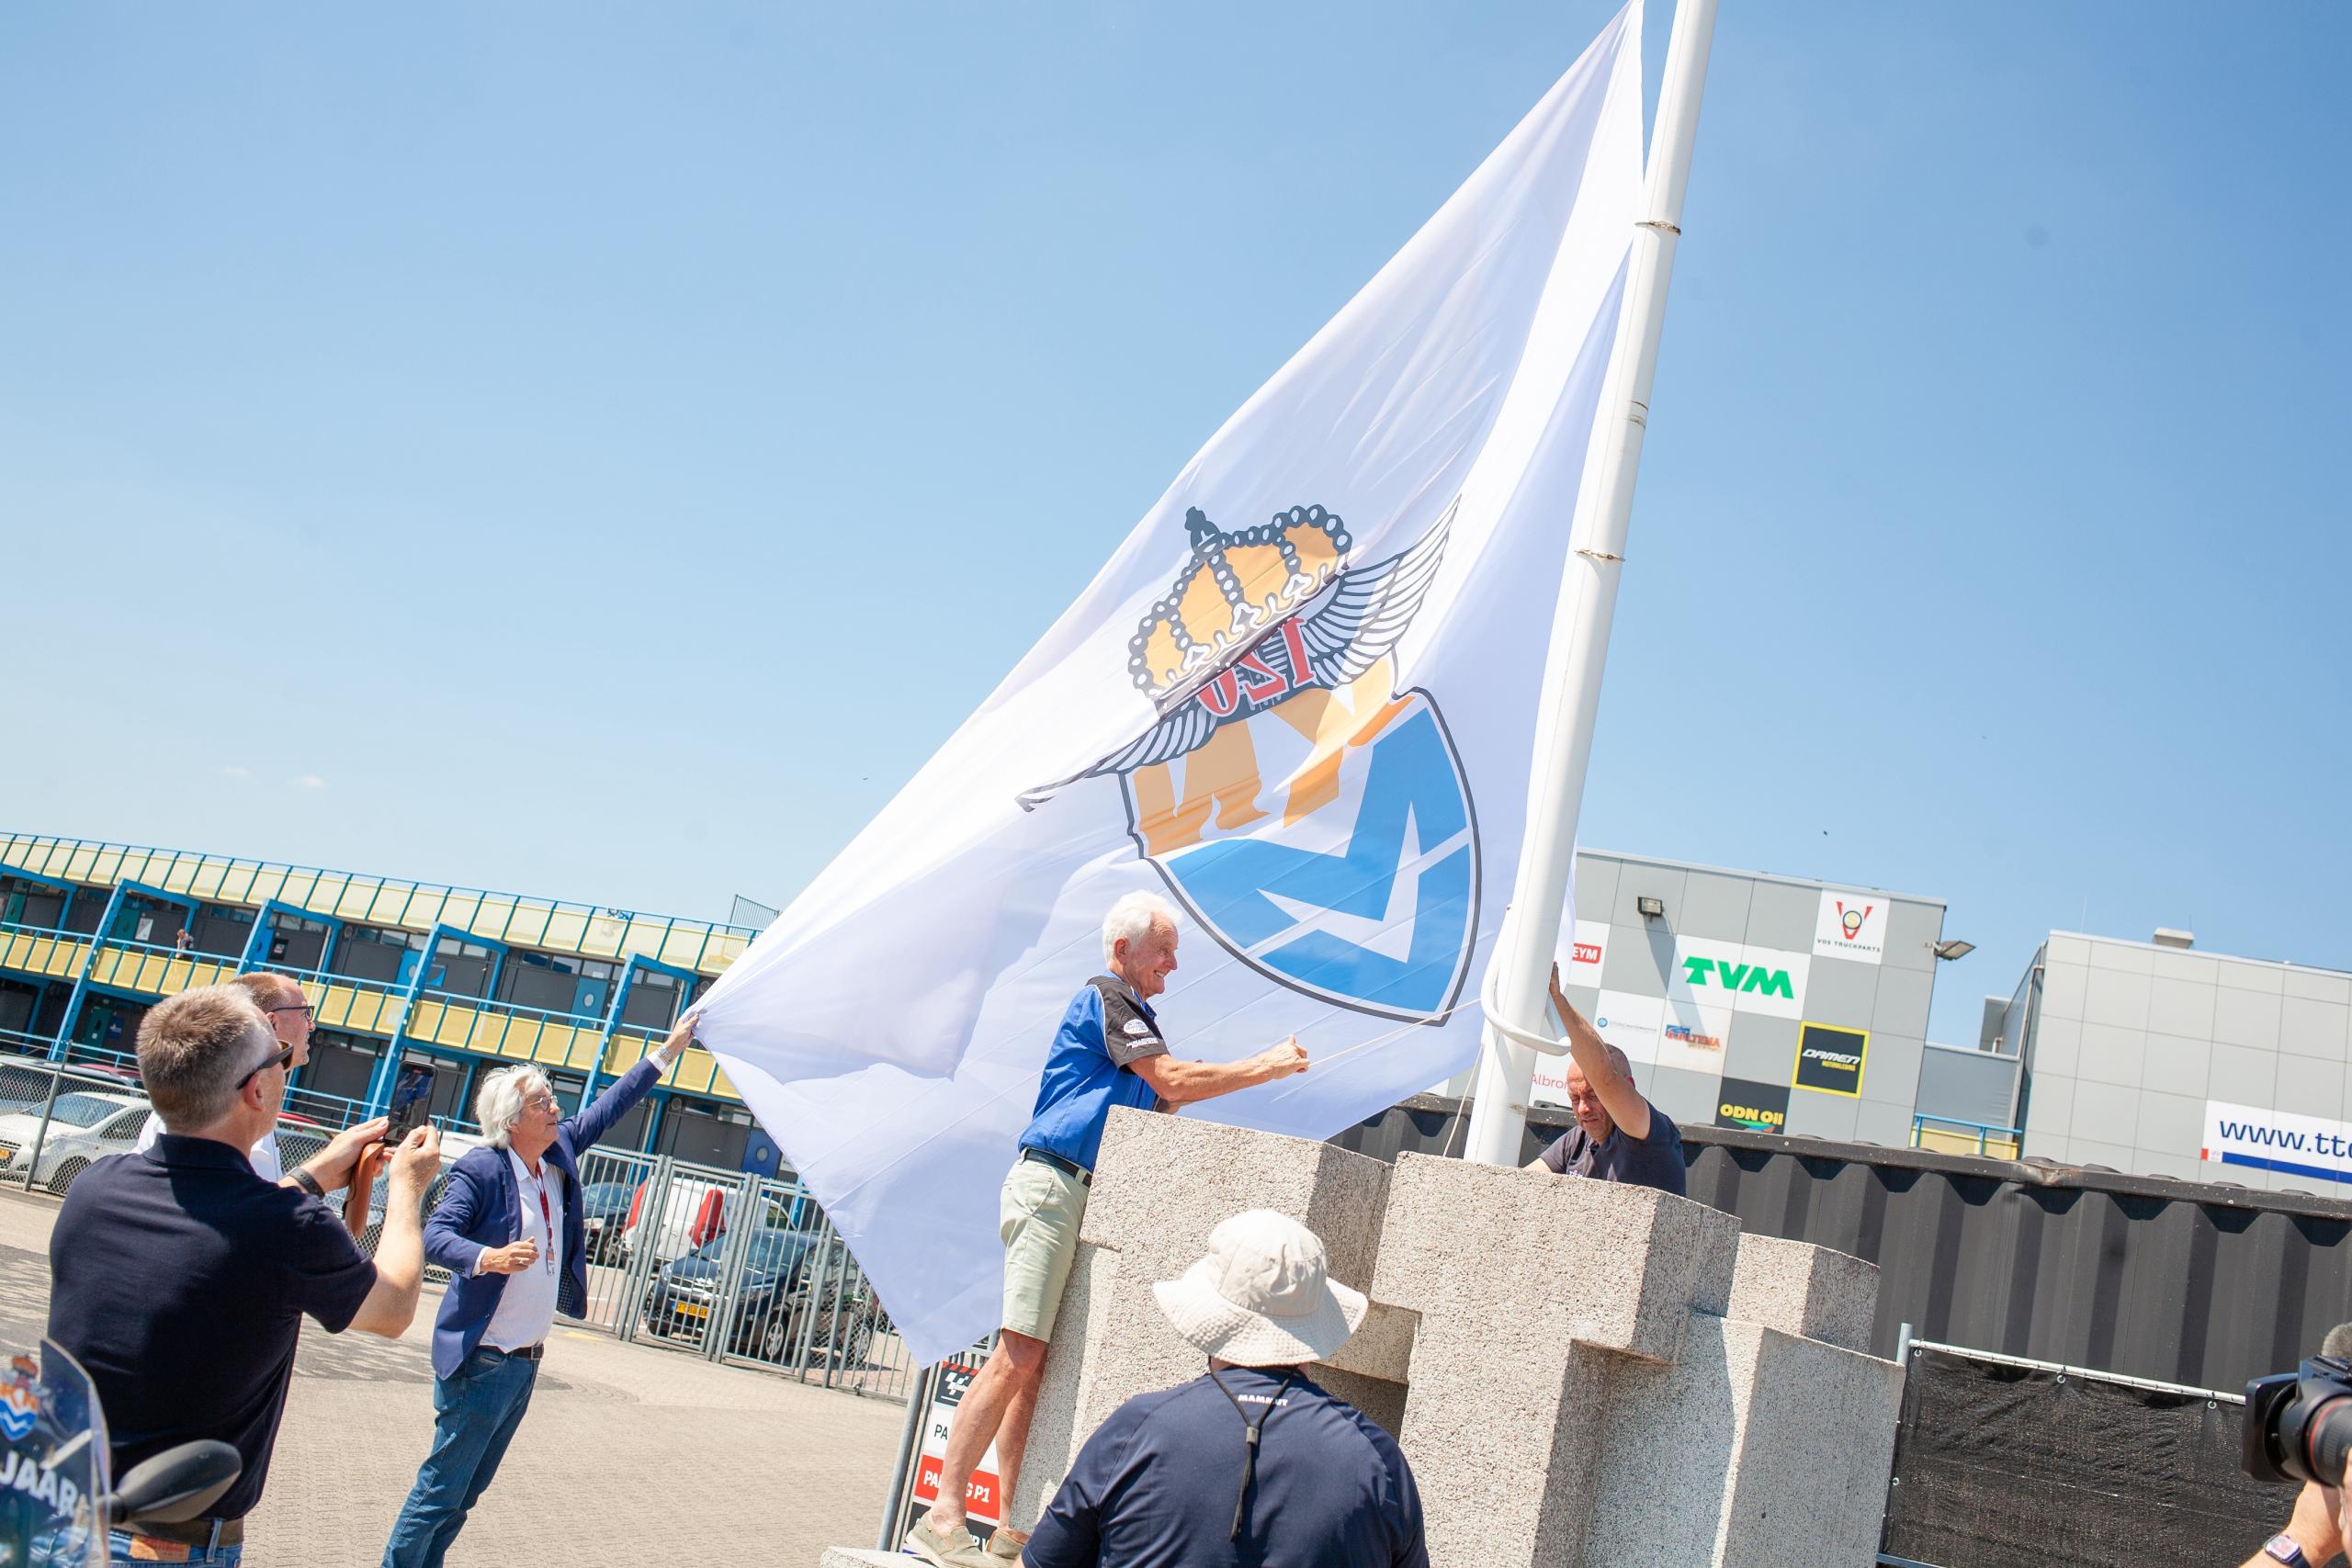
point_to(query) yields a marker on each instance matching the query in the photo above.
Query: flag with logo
(1298, 703)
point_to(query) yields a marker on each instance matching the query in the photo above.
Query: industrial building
(2155, 1058)
(1743, 999)
(91, 934)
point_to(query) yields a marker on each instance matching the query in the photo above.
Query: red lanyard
(547, 1222)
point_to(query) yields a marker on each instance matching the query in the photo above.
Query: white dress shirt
(526, 1306)
(263, 1155)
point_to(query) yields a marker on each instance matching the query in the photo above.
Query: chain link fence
(727, 1265)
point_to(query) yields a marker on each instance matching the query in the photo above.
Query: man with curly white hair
(509, 1231)
(1108, 1050)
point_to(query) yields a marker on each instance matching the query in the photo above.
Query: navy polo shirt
(179, 1279)
(1105, 1031)
(1654, 1161)
(1154, 1487)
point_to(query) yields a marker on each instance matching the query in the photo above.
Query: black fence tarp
(1999, 1466)
(2177, 1282)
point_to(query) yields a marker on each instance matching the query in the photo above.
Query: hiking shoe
(957, 1551)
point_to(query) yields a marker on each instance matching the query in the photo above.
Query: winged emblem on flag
(1312, 817)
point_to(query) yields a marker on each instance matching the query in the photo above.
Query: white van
(691, 1213)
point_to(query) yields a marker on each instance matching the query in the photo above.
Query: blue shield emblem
(1313, 819)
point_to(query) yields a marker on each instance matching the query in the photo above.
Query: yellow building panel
(555, 1047)
(295, 887)
(1952, 1141)
(725, 948)
(389, 906)
(458, 910)
(695, 1071)
(269, 883)
(603, 938)
(720, 1084)
(369, 1012)
(567, 929)
(491, 918)
(180, 874)
(326, 894)
(644, 936)
(424, 908)
(527, 927)
(682, 947)
(466, 1028)
(50, 955)
(210, 874)
(358, 898)
(94, 864)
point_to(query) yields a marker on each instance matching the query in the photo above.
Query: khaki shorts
(1038, 1213)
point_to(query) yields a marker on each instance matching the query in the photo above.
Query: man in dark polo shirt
(179, 1279)
(1619, 1135)
(1252, 1462)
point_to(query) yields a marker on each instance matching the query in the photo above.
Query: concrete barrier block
(1810, 1291)
(1540, 1259)
(1756, 1448)
(1163, 1182)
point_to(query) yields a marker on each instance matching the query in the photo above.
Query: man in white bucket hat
(1252, 1463)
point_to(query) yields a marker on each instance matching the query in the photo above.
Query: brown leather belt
(372, 1160)
(193, 1532)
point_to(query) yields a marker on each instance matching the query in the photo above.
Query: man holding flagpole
(1108, 1050)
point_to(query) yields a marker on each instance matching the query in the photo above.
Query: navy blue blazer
(482, 1209)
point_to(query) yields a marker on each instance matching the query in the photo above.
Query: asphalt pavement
(631, 1454)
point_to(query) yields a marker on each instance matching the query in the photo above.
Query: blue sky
(430, 439)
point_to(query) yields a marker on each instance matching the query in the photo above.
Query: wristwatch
(2283, 1548)
(308, 1183)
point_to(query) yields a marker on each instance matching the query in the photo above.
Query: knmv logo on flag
(1314, 819)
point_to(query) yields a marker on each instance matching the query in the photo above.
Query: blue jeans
(476, 1411)
(118, 1551)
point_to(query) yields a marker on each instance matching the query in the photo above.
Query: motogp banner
(1298, 703)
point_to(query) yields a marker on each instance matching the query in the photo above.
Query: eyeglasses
(279, 1059)
(302, 1008)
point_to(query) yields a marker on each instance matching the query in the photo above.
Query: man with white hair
(509, 1231)
(1253, 1463)
(1108, 1050)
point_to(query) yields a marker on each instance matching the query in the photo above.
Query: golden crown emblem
(1236, 585)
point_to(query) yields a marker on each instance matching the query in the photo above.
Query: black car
(774, 1299)
(603, 1214)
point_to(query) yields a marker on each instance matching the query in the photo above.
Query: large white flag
(1299, 701)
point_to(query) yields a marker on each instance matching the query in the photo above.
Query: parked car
(690, 1213)
(604, 1209)
(774, 1300)
(84, 1125)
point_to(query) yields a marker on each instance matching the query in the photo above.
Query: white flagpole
(1518, 995)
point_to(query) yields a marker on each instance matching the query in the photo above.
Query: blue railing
(22, 1042)
(1984, 1132)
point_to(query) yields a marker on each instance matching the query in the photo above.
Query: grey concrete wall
(2131, 1043)
(1580, 1373)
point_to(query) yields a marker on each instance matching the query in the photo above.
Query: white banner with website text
(2264, 1139)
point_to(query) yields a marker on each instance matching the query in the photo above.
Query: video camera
(2299, 1424)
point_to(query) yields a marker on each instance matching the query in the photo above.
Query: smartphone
(412, 1100)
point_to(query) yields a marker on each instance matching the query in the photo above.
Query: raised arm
(1187, 1083)
(594, 1119)
(1599, 1064)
